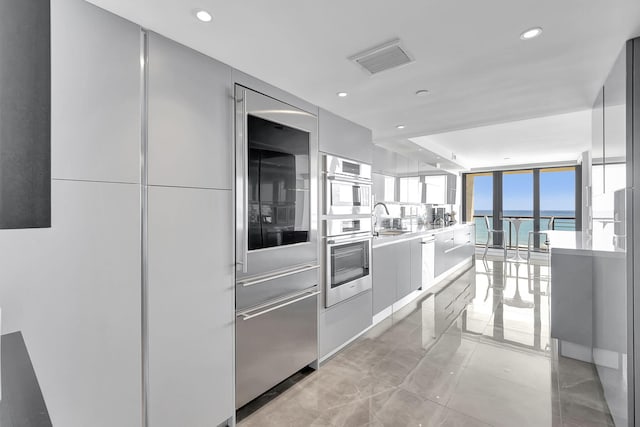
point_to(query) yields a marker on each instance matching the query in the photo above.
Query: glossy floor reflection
(494, 366)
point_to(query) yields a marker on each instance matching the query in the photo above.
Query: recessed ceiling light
(203, 15)
(531, 33)
(422, 92)
(342, 94)
(400, 126)
(507, 158)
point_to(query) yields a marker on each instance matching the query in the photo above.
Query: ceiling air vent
(383, 57)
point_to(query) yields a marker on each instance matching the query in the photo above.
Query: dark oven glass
(349, 261)
(279, 198)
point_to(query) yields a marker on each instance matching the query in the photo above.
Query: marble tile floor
(494, 366)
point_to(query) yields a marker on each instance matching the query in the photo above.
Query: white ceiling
(468, 54)
(551, 139)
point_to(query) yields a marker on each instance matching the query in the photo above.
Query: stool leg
(529, 248)
(486, 246)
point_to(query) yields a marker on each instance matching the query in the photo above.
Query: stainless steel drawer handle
(246, 315)
(277, 275)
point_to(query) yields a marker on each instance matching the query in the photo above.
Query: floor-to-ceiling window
(479, 188)
(527, 198)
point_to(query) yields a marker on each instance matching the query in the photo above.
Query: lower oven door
(348, 268)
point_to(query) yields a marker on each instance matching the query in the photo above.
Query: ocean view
(564, 220)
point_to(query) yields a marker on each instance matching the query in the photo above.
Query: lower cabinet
(397, 271)
(384, 277)
(453, 247)
(397, 267)
(403, 269)
(343, 321)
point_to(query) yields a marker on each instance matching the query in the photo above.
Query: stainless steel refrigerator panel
(272, 346)
(261, 261)
(251, 291)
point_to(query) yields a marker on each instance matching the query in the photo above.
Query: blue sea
(564, 220)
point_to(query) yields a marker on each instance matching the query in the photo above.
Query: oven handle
(348, 180)
(281, 302)
(277, 275)
(350, 239)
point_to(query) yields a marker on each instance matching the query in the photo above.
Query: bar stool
(552, 221)
(490, 233)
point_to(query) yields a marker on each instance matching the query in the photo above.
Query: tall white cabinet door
(95, 94)
(190, 306)
(190, 117)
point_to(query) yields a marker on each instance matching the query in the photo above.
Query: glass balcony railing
(560, 223)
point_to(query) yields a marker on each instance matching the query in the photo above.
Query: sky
(557, 191)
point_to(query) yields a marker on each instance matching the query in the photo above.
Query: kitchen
(208, 235)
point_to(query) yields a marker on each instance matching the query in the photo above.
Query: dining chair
(550, 226)
(490, 236)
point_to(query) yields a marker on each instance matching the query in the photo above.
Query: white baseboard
(575, 351)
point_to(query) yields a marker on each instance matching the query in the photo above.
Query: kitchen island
(588, 296)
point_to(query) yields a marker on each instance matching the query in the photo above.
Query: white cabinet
(95, 91)
(191, 306)
(190, 117)
(344, 138)
(343, 321)
(440, 189)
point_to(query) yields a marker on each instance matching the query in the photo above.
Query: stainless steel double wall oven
(276, 242)
(347, 228)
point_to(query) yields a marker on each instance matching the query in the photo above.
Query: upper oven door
(276, 185)
(347, 197)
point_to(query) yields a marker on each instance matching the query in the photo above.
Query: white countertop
(575, 242)
(416, 233)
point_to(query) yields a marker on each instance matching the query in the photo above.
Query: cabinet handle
(277, 275)
(246, 315)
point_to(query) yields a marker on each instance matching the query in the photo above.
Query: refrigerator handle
(242, 180)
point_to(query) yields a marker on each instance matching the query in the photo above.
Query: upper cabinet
(96, 94)
(190, 117)
(344, 138)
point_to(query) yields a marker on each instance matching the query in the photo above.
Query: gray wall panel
(25, 114)
(74, 292)
(96, 94)
(191, 307)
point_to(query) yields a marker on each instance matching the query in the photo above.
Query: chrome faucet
(383, 205)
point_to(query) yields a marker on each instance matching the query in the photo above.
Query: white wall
(74, 290)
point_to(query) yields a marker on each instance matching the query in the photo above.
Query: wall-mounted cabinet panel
(25, 114)
(190, 117)
(96, 96)
(190, 306)
(344, 138)
(384, 161)
(451, 189)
